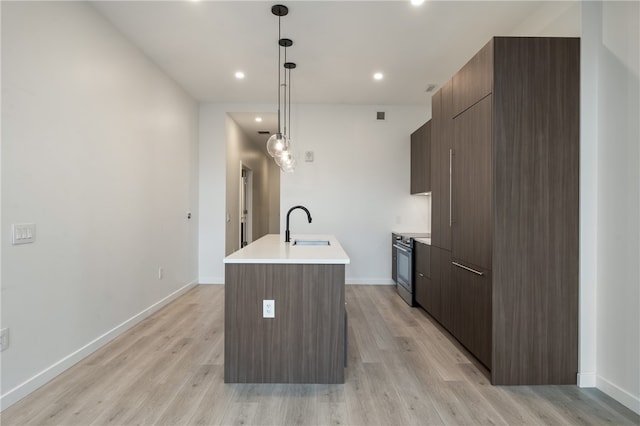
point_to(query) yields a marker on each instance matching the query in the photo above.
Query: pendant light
(277, 142)
(278, 145)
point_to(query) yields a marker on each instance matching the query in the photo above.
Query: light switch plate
(23, 233)
(4, 339)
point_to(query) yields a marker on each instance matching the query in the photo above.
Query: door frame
(246, 202)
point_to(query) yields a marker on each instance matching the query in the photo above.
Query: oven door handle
(401, 249)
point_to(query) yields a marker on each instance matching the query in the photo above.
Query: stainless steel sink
(311, 243)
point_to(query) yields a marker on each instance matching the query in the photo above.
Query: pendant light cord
(285, 95)
(279, 79)
(289, 88)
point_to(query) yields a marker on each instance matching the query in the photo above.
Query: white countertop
(409, 232)
(272, 249)
(426, 241)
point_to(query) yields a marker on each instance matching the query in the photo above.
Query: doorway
(252, 188)
(246, 205)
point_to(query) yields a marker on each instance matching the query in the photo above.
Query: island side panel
(304, 343)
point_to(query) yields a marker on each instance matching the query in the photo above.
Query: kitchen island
(305, 340)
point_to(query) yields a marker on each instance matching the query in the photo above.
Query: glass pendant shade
(276, 144)
(289, 167)
(286, 156)
(286, 161)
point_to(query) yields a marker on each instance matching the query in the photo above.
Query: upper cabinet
(420, 163)
(474, 81)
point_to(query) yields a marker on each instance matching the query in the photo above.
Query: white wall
(274, 200)
(552, 19)
(357, 188)
(612, 43)
(212, 187)
(99, 149)
(588, 199)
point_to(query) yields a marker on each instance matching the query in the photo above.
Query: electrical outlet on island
(268, 309)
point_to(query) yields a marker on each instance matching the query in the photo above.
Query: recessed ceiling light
(417, 2)
(378, 76)
(239, 75)
(259, 119)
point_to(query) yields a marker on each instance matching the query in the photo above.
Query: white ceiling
(247, 122)
(338, 45)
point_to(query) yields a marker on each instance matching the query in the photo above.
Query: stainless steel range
(403, 247)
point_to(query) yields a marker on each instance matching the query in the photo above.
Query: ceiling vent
(380, 115)
(263, 132)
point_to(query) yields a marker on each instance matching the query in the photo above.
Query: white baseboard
(25, 388)
(622, 396)
(211, 280)
(586, 380)
(370, 281)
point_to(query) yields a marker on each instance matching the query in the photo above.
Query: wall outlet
(4, 339)
(160, 273)
(268, 309)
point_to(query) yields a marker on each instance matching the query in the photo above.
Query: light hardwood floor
(403, 370)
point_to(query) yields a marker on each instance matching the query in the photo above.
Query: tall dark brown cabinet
(505, 185)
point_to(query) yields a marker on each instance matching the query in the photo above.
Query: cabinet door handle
(467, 268)
(450, 185)
(420, 273)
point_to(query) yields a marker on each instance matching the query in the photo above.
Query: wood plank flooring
(403, 370)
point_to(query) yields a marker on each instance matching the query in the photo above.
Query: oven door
(405, 272)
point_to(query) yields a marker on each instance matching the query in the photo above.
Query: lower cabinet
(394, 259)
(422, 275)
(441, 273)
(428, 281)
(472, 313)
(459, 297)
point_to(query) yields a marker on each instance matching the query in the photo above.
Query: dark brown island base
(285, 317)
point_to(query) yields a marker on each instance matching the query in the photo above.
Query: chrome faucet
(287, 235)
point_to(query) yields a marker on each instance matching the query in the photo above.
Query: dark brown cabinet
(471, 204)
(394, 259)
(420, 162)
(535, 210)
(441, 159)
(474, 81)
(509, 285)
(473, 311)
(436, 168)
(441, 277)
(426, 293)
(431, 299)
